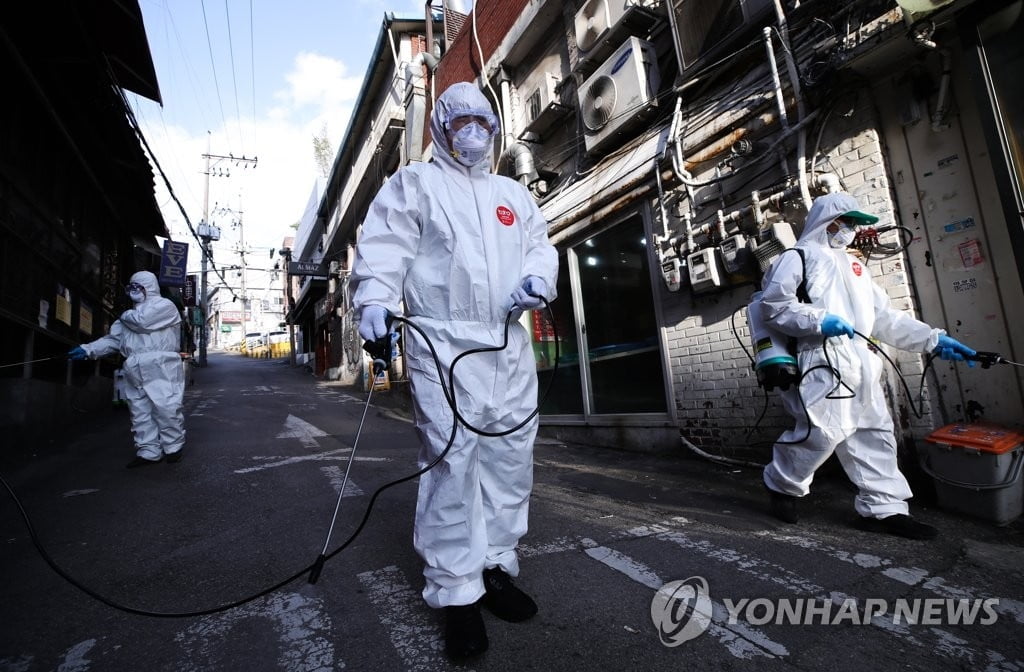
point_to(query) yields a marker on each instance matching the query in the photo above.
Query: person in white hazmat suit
(462, 247)
(148, 335)
(850, 418)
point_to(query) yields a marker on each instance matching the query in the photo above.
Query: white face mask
(137, 297)
(471, 144)
(842, 238)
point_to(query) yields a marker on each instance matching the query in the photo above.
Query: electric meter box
(704, 271)
(977, 470)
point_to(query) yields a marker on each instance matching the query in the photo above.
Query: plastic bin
(977, 470)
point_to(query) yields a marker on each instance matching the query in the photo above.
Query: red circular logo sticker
(857, 270)
(506, 216)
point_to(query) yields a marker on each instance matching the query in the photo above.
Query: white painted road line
(74, 658)
(302, 625)
(330, 455)
(741, 640)
(413, 632)
(911, 576)
(773, 573)
(76, 493)
(297, 428)
(337, 477)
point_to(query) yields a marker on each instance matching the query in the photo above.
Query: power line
(190, 72)
(213, 67)
(234, 78)
(252, 70)
(170, 190)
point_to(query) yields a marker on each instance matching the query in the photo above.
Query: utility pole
(207, 233)
(286, 252)
(204, 237)
(241, 256)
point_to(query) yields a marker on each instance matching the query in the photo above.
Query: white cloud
(272, 195)
(319, 82)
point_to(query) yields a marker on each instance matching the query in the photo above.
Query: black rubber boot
(900, 525)
(505, 600)
(140, 462)
(782, 506)
(464, 632)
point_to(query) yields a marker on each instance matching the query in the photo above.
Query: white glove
(527, 296)
(372, 322)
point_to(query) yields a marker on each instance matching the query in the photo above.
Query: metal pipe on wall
(794, 82)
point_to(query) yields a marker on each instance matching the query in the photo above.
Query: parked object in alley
(839, 405)
(147, 335)
(457, 269)
(977, 470)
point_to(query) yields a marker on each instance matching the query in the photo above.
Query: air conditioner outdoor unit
(542, 107)
(702, 29)
(619, 92)
(601, 24)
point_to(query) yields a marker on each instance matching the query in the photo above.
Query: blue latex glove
(78, 352)
(833, 325)
(527, 296)
(373, 322)
(953, 350)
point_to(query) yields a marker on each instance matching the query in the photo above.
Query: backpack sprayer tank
(773, 363)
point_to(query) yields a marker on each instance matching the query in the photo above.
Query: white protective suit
(454, 242)
(859, 429)
(149, 336)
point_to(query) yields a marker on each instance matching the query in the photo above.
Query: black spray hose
(457, 420)
(317, 565)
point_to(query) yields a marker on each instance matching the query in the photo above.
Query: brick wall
(461, 62)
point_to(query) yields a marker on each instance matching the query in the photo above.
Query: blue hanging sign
(172, 264)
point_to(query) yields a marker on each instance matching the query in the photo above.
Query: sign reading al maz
(307, 268)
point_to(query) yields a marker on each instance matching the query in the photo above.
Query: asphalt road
(250, 503)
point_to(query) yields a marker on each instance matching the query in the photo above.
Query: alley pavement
(638, 561)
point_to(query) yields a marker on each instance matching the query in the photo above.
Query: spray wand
(988, 359)
(380, 351)
(31, 361)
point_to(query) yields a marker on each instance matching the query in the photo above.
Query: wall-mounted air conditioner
(600, 25)
(703, 29)
(619, 93)
(542, 107)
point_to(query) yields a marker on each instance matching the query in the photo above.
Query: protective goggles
(487, 120)
(134, 287)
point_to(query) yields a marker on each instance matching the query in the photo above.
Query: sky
(259, 79)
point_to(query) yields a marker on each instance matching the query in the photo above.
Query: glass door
(566, 395)
(615, 309)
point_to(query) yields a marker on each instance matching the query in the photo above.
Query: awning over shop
(611, 179)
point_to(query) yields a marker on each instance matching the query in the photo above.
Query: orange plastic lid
(978, 436)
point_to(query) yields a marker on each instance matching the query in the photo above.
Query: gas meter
(671, 271)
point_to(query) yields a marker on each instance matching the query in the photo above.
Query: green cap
(862, 217)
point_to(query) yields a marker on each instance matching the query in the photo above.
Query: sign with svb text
(172, 264)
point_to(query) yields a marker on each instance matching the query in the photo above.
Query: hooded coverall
(858, 427)
(454, 242)
(148, 335)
